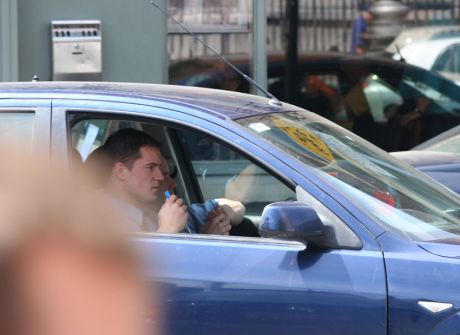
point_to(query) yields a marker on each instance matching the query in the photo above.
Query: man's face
(142, 182)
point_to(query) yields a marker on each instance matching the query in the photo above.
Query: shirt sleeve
(197, 214)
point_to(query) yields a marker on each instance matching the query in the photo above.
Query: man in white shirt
(135, 178)
(133, 185)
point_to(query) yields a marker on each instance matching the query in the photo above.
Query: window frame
(190, 171)
(66, 112)
(185, 166)
(192, 193)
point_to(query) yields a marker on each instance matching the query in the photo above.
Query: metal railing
(323, 25)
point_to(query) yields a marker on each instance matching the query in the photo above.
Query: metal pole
(9, 40)
(290, 83)
(160, 36)
(259, 64)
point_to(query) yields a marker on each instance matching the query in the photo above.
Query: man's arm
(172, 216)
(234, 209)
(217, 222)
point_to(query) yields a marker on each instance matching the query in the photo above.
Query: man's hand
(172, 216)
(217, 223)
(234, 209)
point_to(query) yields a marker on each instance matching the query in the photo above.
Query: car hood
(427, 158)
(445, 248)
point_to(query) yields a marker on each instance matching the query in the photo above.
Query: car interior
(203, 167)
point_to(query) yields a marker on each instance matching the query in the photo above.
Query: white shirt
(135, 219)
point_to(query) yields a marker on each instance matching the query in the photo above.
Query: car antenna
(273, 100)
(398, 51)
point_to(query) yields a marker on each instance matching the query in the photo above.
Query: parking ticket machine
(76, 50)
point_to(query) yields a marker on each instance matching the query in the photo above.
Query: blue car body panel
(253, 289)
(252, 286)
(413, 275)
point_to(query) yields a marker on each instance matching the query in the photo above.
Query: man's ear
(119, 170)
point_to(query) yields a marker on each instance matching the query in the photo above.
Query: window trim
(242, 240)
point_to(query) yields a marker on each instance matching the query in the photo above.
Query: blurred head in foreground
(65, 266)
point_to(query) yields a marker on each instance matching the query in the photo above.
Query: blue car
(350, 240)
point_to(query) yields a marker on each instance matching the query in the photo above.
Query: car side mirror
(290, 220)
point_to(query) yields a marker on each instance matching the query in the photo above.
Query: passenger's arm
(234, 209)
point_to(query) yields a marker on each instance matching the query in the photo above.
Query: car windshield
(395, 195)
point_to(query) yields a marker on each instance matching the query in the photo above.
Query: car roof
(223, 104)
(424, 54)
(419, 34)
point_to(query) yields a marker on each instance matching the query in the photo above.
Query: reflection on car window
(88, 135)
(397, 196)
(380, 96)
(224, 173)
(383, 108)
(320, 93)
(432, 93)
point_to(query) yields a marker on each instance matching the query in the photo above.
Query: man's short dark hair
(125, 144)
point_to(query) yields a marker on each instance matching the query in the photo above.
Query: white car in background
(441, 55)
(421, 34)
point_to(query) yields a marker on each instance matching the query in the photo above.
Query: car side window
(449, 61)
(17, 128)
(320, 93)
(222, 172)
(88, 135)
(204, 168)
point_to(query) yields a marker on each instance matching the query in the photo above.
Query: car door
(237, 284)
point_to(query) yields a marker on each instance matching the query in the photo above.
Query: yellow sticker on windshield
(305, 139)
